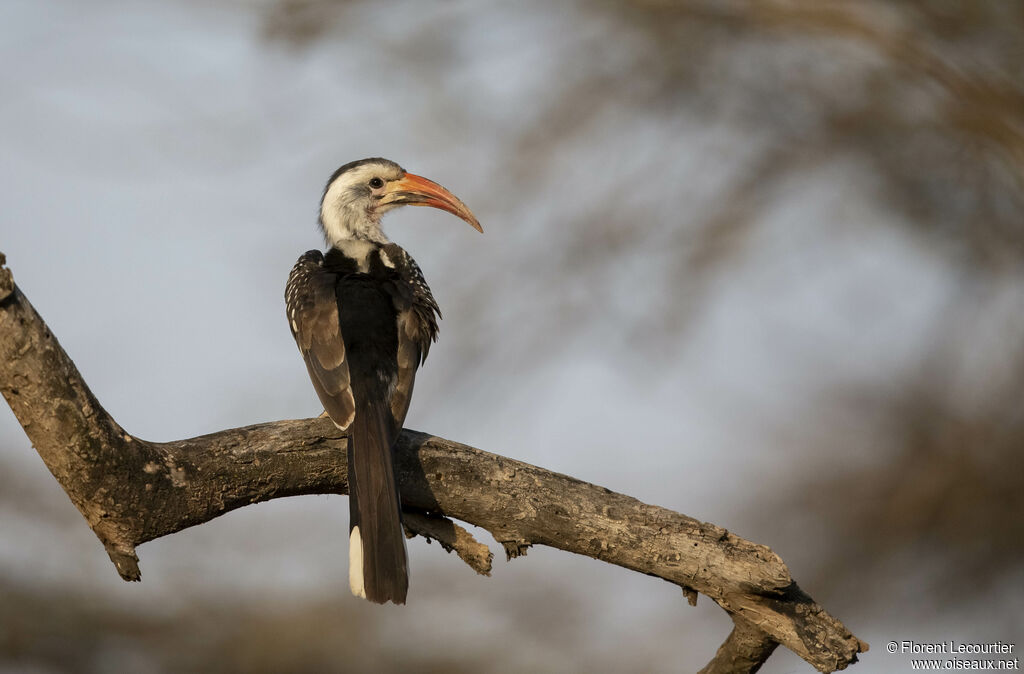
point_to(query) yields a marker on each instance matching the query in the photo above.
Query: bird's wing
(417, 314)
(311, 303)
(407, 360)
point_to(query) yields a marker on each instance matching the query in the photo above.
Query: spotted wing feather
(311, 303)
(416, 314)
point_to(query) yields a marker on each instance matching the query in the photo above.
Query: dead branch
(131, 491)
(745, 650)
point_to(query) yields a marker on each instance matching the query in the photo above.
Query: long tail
(378, 566)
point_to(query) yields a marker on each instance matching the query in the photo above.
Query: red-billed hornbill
(364, 318)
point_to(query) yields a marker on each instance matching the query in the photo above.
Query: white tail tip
(355, 563)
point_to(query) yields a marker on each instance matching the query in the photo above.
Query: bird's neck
(348, 224)
(358, 251)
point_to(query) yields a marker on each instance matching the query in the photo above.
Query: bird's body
(364, 318)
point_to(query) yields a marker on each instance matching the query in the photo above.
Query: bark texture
(131, 491)
(745, 650)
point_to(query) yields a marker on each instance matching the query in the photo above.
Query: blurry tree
(920, 102)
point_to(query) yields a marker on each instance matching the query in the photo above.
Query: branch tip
(515, 549)
(126, 562)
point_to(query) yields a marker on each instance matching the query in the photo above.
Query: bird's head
(360, 192)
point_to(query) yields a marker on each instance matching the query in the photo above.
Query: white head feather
(351, 208)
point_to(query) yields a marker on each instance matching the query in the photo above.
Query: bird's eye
(376, 183)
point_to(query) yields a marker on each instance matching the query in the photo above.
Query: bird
(364, 318)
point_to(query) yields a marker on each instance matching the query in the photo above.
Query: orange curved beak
(414, 190)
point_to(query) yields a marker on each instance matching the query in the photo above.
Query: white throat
(358, 250)
(348, 219)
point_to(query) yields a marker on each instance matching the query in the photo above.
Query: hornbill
(364, 318)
